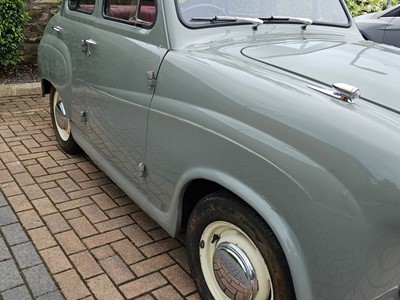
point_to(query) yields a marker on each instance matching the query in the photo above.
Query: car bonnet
(373, 68)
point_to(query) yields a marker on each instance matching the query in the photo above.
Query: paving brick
(78, 175)
(55, 260)
(158, 234)
(122, 210)
(56, 223)
(94, 183)
(103, 288)
(61, 169)
(5, 176)
(116, 269)
(52, 296)
(71, 204)
(3, 201)
(30, 219)
(71, 285)
(144, 221)
(160, 247)
(83, 227)
(114, 224)
(32, 156)
(8, 157)
(86, 264)
(57, 155)
(20, 203)
(33, 191)
(51, 177)
(24, 179)
(48, 185)
(179, 279)
(4, 253)
(128, 252)
(94, 213)
(167, 293)
(14, 234)
(179, 255)
(15, 167)
(7, 216)
(137, 235)
(70, 242)
(26, 255)
(44, 206)
(112, 190)
(68, 185)
(72, 214)
(42, 238)
(39, 280)
(143, 285)
(152, 265)
(36, 170)
(102, 252)
(11, 189)
(193, 297)
(57, 195)
(20, 293)
(121, 201)
(103, 239)
(9, 275)
(30, 143)
(20, 150)
(84, 193)
(104, 201)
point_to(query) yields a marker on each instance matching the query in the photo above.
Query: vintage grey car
(268, 130)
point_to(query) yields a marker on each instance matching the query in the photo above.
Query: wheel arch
(197, 187)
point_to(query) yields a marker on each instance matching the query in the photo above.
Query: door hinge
(151, 79)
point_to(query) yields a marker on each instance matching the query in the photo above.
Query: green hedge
(13, 17)
(359, 7)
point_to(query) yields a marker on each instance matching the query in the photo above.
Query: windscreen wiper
(305, 21)
(255, 21)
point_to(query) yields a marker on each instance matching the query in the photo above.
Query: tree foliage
(359, 7)
(13, 17)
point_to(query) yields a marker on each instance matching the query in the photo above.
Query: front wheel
(61, 124)
(233, 254)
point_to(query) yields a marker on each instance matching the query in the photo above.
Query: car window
(136, 12)
(85, 6)
(393, 13)
(329, 12)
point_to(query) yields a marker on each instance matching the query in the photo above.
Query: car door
(74, 25)
(392, 32)
(127, 48)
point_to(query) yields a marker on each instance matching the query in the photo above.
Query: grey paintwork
(233, 106)
(382, 27)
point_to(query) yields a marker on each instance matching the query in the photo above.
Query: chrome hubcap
(234, 272)
(232, 265)
(61, 119)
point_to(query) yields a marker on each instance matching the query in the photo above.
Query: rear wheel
(233, 254)
(61, 124)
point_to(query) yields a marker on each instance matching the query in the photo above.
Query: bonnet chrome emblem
(341, 91)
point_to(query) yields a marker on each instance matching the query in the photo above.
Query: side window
(85, 6)
(137, 12)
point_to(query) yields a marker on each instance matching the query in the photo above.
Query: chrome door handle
(85, 46)
(90, 42)
(57, 28)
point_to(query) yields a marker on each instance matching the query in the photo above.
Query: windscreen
(323, 12)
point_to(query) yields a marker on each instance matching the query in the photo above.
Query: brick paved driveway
(94, 241)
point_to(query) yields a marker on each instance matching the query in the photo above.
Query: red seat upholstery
(147, 13)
